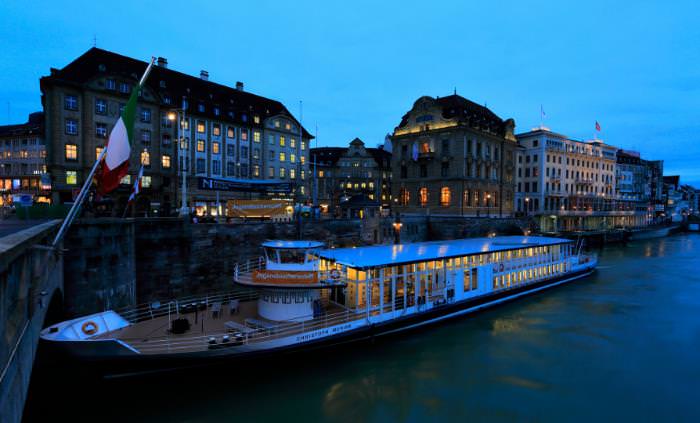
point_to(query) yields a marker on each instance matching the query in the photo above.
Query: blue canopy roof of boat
(292, 244)
(388, 255)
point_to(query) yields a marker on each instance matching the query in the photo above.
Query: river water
(623, 344)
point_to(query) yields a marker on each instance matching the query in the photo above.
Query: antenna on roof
(455, 90)
(94, 40)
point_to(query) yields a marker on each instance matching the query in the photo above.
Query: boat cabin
(388, 278)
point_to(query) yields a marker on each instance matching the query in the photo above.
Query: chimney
(204, 75)
(162, 62)
(239, 85)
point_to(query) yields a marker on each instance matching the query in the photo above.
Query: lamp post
(488, 205)
(397, 229)
(527, 206)
(184, 148)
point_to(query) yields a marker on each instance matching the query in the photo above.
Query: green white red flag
(115, 163)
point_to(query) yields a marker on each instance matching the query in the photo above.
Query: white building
(568, 184)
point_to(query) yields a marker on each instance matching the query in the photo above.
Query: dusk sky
(359, 66)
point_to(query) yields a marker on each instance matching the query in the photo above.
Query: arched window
(423, 196)
(445, 197)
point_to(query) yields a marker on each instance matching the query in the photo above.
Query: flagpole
(88, 181)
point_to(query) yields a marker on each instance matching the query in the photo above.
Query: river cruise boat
(300, 296)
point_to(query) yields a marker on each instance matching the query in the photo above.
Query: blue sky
(359, 66)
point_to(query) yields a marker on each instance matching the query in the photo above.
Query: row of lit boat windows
(527, 275)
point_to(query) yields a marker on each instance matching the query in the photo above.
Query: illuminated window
(184, 143)
(287, 126)
(200, 126)
(215, 148)
(281, 140)
(98, 151)
(423, 196)
(257, 136)
(277, 123)
(244, 135)
(217, 129)
(320, 173)
(231, 132)
(165, 161)
(146, 158)
(71, 177)
(293, 142)
(303, 145)
(445, 197)
(146, 181)
(256, 170)
(271, 172)
(256, 118)
(71, 152)
(200, 146)
(303, 175)
(282, 172)
(126, 180)
(292, 158)
(292, 173)
(302, 159)
(282, 156)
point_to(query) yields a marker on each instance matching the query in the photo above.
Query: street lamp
(184, 149)
(527, 206)
(397, 229)
(488, 205)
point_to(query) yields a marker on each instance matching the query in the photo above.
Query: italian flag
(115, 163)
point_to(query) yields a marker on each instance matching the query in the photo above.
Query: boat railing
(170, 344)
(157, 309)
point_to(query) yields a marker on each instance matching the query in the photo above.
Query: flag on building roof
(597, 126)
(137, 185)
(115, 164)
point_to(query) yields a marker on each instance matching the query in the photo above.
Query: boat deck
(246, 325)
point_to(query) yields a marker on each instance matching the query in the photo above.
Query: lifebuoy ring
(90, 328)
(335, 274)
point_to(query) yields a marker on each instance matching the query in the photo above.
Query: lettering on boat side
(322, 332)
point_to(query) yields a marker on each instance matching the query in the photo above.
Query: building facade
(453, 157)
(346, 172)
(23, 161)
(571, 185)
(185, 126)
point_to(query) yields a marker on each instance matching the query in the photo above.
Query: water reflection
(620, 345)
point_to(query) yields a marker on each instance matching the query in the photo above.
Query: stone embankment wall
(112, 263)
(31, 280)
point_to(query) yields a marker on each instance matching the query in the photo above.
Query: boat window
(271, 254)
(290, 256)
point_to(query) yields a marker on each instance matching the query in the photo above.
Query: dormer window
(200, 107)
(216, 111)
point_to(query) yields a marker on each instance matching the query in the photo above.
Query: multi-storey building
(634, 181)
(570, 184)
(344, 172)
(23, 160)
(453, 156)
(224, 133)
